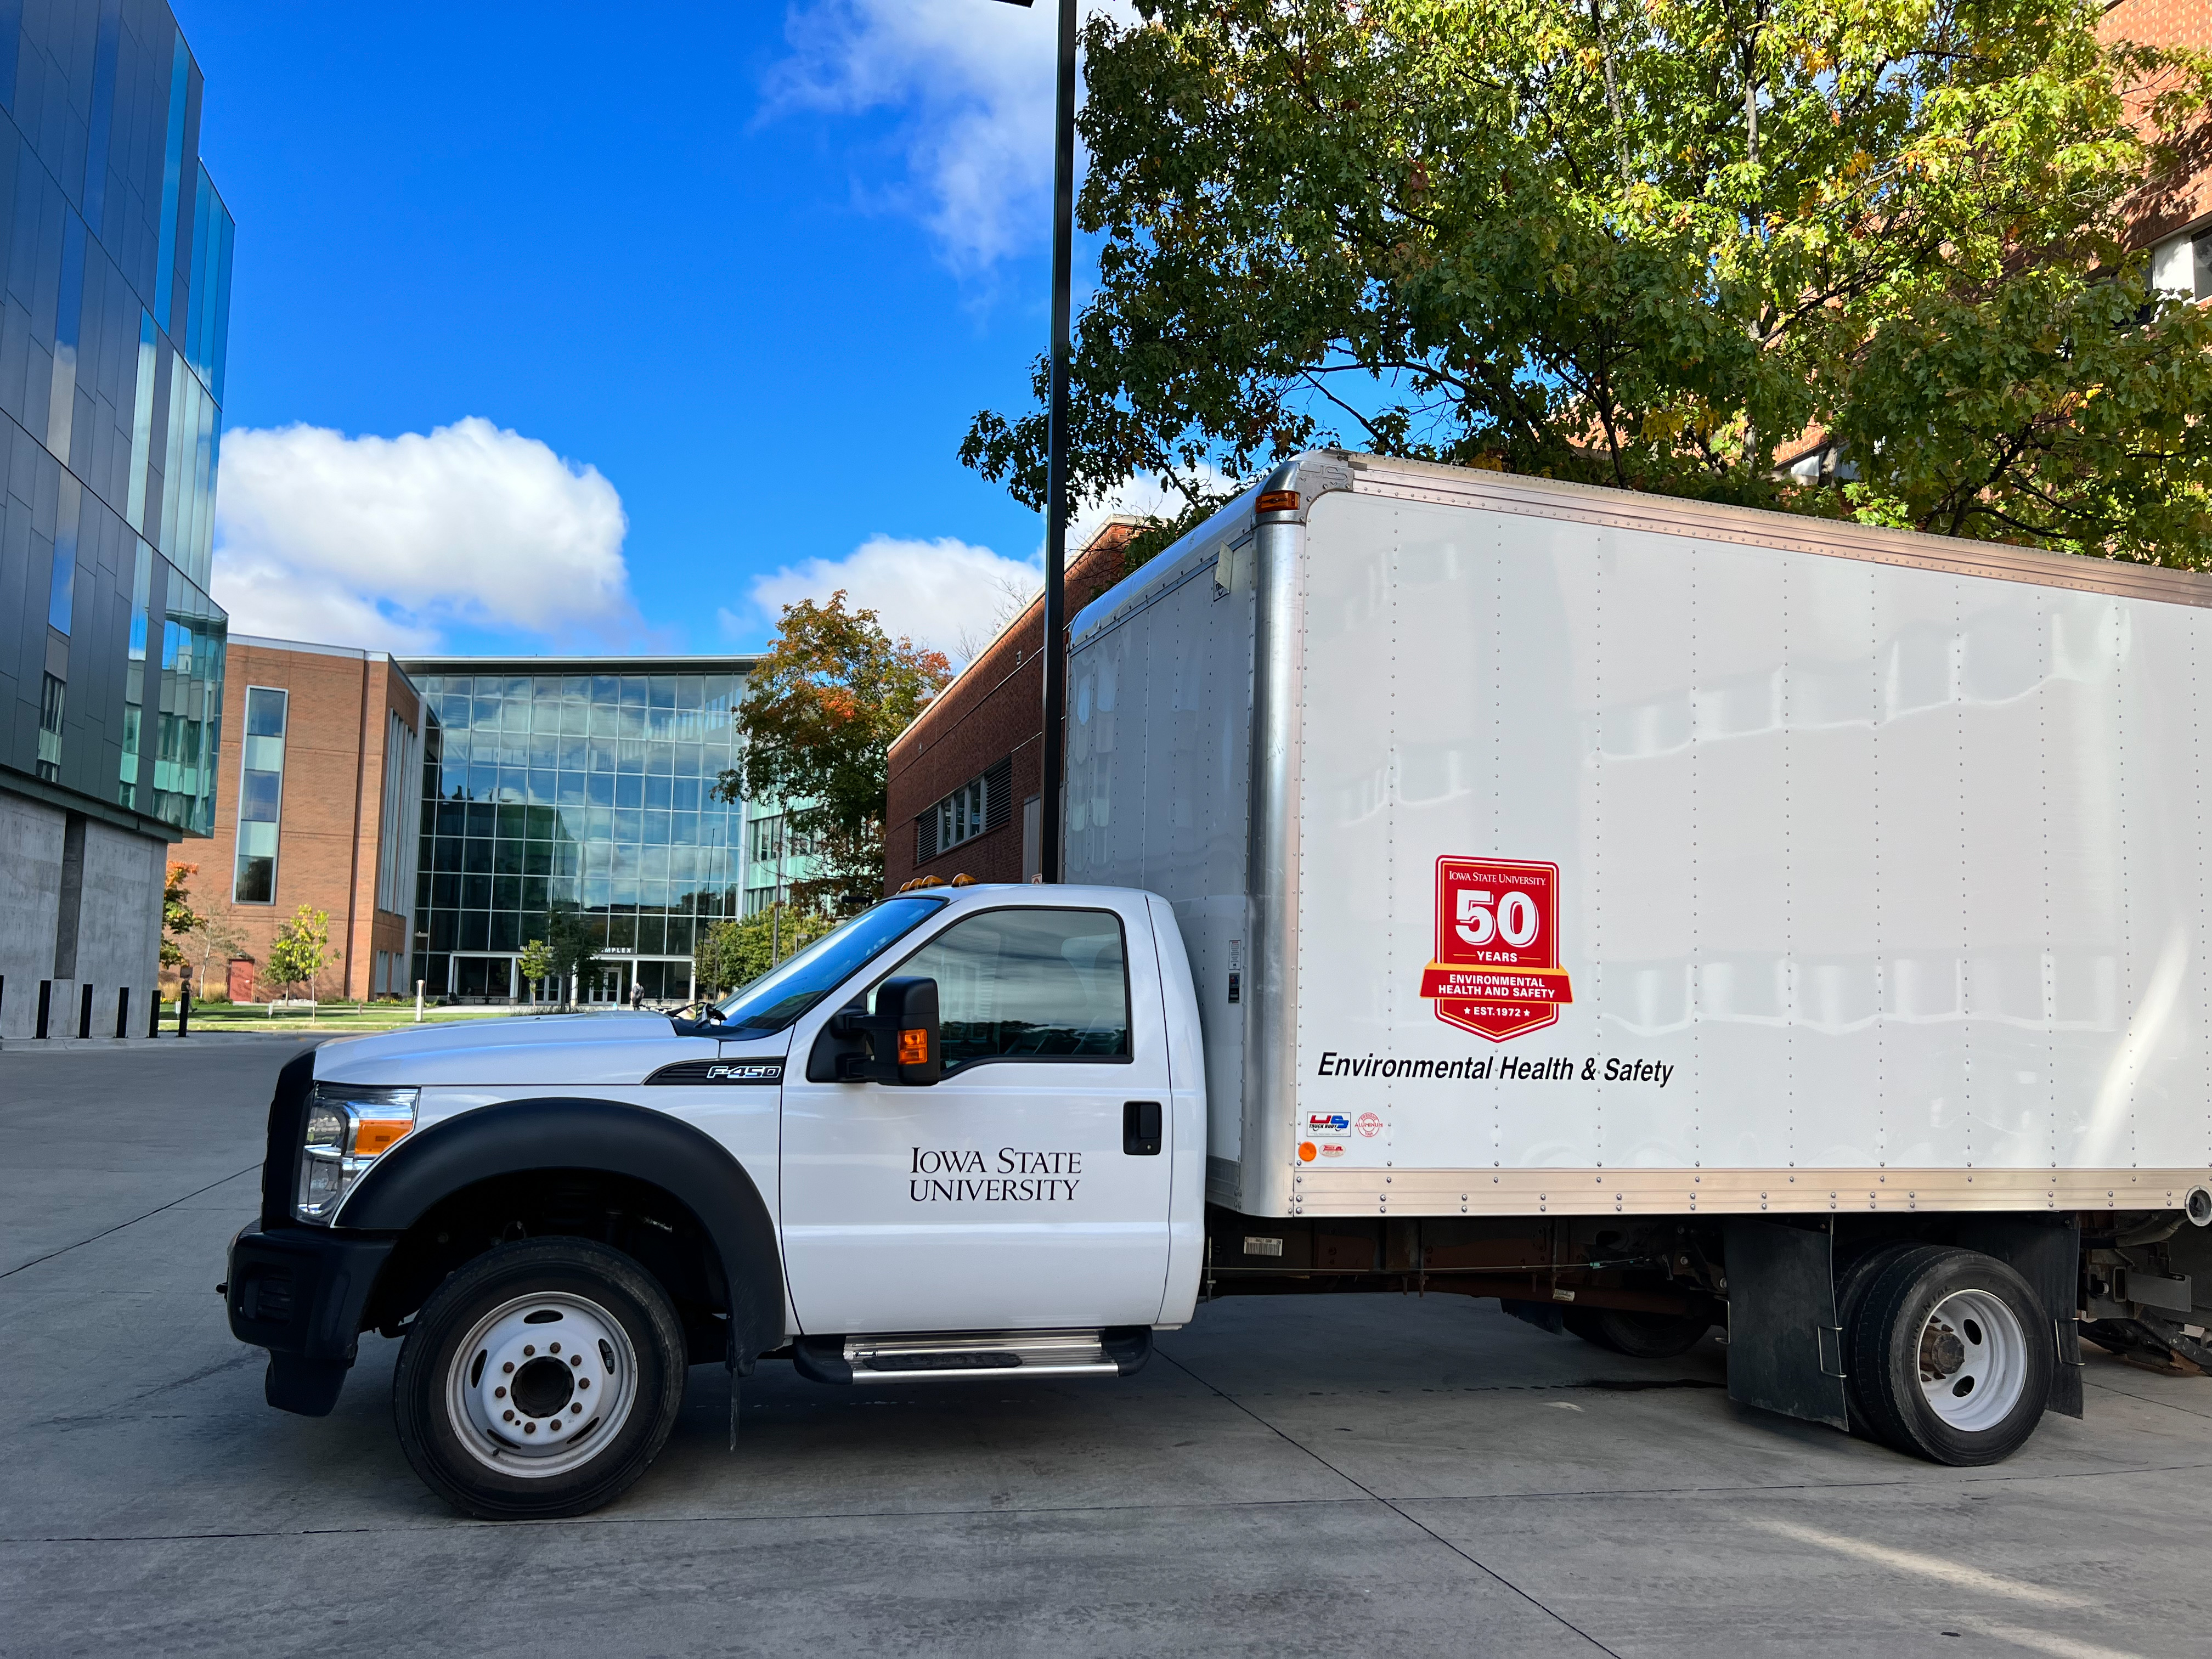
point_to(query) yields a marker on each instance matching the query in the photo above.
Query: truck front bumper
(299, 1292)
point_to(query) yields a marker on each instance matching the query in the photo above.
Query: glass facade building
(584, 782)
(114, 317)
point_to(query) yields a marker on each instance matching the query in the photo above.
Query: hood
(524, 1050)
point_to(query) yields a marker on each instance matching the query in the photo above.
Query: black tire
(623, 1333)
(1988, 1357)
(1638, 1335)
(1851, 1287)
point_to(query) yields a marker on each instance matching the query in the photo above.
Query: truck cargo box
(1550, 850)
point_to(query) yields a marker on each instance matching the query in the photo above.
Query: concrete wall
(30, 892)
(80, 905)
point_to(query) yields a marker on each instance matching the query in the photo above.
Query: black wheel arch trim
(515, 1137)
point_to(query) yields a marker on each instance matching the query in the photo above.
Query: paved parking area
(1296, 1476)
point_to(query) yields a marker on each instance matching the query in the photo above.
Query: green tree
(178, 919)
(817, 725)
(1641, 243)
(733, 953)
(572, 944)
(301, 949)
(535, 962)
(713, 957)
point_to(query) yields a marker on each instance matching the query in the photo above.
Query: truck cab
(963, 1134)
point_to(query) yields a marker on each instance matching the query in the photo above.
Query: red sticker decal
(1497, 969)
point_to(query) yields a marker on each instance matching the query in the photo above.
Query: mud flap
(1786, 1349)
(2046, 1252)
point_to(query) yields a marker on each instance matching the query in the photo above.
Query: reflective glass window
(1029, 985)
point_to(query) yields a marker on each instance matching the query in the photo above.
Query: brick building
(965, 776)
(319, 805)
(2176, 215)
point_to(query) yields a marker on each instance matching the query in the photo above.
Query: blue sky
(755, 267)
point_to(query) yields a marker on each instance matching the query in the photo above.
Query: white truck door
(1012, 1195)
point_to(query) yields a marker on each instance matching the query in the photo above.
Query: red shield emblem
(1497, 968)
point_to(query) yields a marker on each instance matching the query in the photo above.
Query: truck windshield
(790, 988)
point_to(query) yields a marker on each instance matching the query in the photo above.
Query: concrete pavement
(1289, 1476)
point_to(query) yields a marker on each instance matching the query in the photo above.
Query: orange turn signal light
(374, 1134)
(1280, 500)
(913, 1048)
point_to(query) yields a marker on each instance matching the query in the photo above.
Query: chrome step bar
(947, 1356)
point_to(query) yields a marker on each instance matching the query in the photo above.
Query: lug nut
(575, 1360)
(576, 1411)
(508, 1366)
(583, 1382)
(554, 1427)
(556, 1348)
(527, 1350)
(530, 1428)
(499, 1394)
(506, 1417)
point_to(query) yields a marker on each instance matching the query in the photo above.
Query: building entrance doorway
(606, 986)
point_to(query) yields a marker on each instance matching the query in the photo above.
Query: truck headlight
(348, 1128)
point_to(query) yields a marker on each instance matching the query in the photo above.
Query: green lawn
(345, 1018)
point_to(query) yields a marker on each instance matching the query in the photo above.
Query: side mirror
(899, 1043)
(909, 1009)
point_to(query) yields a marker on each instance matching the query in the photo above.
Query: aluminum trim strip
(1549, 498)
(1731, 1192)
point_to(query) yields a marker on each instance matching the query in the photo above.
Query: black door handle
(1140, 1128)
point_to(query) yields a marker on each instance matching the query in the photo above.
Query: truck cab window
(1029, 984)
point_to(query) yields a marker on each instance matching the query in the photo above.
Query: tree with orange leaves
(817, 725)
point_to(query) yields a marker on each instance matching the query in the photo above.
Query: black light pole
(1051, 814)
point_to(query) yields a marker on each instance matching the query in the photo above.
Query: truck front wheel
(540, 1380)
(1951, 1356)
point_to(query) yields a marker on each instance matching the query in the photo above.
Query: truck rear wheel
(540, 1380)
(1951, 1356)
(1639, 1335)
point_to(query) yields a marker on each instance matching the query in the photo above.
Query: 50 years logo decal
(1497, 971)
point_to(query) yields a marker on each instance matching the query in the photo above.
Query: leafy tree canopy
(1643, 243)
(534, 962)
(572, 945)
(178, 919)
(301, 949)
(817, 725)
(729, 954)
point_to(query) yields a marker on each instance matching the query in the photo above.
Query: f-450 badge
(1497, 969)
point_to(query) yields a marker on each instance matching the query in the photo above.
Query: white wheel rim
(1973, 1361)
(542, 1384)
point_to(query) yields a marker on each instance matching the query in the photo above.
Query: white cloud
(945, 593)
(1144, 496)
(971, 84)
(383, 542)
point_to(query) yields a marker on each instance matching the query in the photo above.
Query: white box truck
(1653, 916)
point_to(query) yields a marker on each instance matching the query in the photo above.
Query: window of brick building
(976, 808)
(260, 796)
